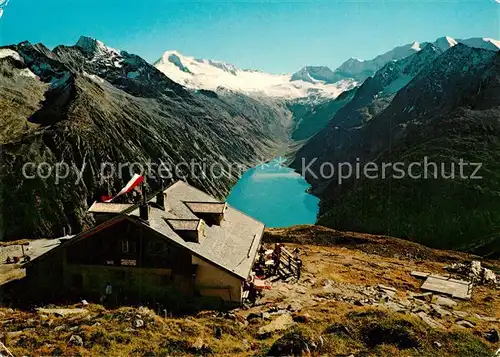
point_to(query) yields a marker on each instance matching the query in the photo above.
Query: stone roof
(103, 207)
(184, 224)
(204, 207)
(231, 245)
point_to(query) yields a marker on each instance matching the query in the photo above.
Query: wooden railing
(288, 265)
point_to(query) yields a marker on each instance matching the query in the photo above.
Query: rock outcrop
(447, 114)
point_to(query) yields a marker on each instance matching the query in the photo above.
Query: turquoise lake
(275, 195)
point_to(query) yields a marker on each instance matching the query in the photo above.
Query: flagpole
(143, 190)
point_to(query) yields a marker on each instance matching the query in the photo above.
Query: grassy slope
(344, 328)
(371, 332)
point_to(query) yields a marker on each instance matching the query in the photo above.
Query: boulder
(475, 270)
(461, 314)
(294, 307)
(62, 312)
(444, 301)
(302, 318)
(282, 322)
(292, 344)
(138, 323)
(427, 297)
(60, 328)
(230, 316)
(75, 340)
(492, 336)
(429, 321)
(487, 318)
(421, 308)
(489, 276)
(465, 323)
(253, 317)
(200, 346)
(44, 317)
(437, 311)
(396, 306)
(13, 334)
(387, 290)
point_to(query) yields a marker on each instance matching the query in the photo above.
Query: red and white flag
(134, 181)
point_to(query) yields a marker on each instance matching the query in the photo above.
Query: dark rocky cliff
(447, 112)
(89, 105)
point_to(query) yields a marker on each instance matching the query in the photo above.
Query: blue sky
(275, 36)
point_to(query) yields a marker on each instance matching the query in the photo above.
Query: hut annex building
(182, 243)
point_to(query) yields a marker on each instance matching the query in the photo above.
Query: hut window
(125, 246)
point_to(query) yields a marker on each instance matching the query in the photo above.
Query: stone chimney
(144, 211)
(160, 199)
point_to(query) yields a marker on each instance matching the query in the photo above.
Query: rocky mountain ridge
(360, 70)
(87, 105)
(309, 93)
(214, 75)
(447, 112)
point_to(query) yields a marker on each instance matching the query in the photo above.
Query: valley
(89, 116)
(250, 178)
(90, 105)
(240, 136)
(444, 114)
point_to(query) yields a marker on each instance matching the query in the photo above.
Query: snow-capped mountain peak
(360, 70)
(181, 61)
(175, 58)
(451, 41)
(210, 74)
(99, 51)
(95, 46)
(444, 43)
(7, 52)
(492, 41)
(482, 42)
(314, 74)
(416, 46)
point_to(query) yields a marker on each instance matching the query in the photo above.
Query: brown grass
(111, 332)
(15, 242)
(344, 328)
